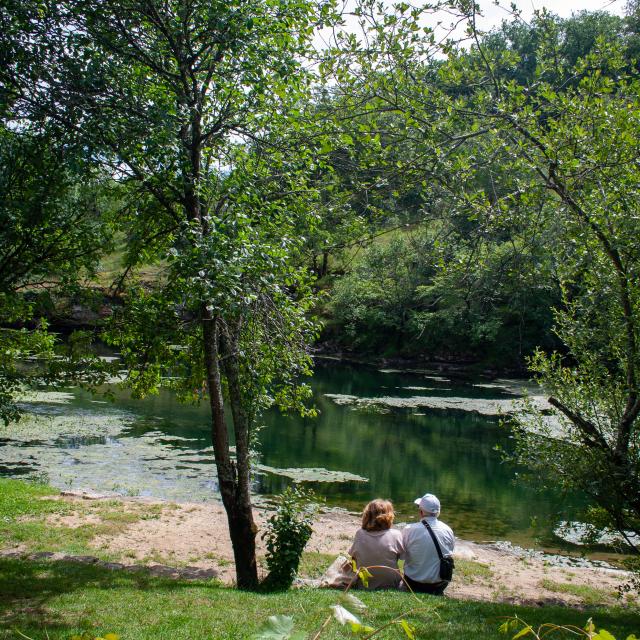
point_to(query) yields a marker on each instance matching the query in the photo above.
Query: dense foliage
(198, 111)
(484, 291)
(53, 228)
(418, 295)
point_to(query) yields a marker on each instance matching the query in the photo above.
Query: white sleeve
(405, 542)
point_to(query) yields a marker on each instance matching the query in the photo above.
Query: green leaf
(523, 632)
(408, 629)
(360, 629)
(364, 574)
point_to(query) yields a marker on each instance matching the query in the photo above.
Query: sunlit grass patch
(313, 565)
(588, 594)
(112, 267)
(154, 556)
(34, 523)
(218, 559)
(19, 498)
(471, 570)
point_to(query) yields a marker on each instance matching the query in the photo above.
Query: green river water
(399, 449)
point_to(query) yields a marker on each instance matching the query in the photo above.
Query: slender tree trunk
(232, 478)
(241, 426)
(325, 264)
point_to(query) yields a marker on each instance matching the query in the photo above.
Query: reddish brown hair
(378, 515)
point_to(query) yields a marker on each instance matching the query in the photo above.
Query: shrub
(288, 531)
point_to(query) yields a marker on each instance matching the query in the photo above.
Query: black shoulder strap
(433, 537)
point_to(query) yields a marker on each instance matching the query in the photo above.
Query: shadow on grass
(55, 599)
(26, 586)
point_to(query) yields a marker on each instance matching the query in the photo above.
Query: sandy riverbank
(196, 535)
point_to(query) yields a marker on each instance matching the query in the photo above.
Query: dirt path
(196, 535)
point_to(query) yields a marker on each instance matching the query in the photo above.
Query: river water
(425, 432)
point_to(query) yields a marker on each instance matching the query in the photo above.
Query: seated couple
(379, 546)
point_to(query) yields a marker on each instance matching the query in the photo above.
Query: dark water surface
(159, 448)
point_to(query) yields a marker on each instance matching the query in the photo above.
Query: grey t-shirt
(422, 562)
(379, 548)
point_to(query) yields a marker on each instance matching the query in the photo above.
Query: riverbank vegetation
(471, 201)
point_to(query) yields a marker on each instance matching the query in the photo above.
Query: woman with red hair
(378, 546)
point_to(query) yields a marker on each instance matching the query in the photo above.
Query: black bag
(446, 562)
(446, 568)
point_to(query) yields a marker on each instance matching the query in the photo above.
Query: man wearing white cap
(425, 543)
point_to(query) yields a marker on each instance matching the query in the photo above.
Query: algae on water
(484, 406)
(312, 474)
(48, 397)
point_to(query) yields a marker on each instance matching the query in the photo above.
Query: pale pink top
(379, 548)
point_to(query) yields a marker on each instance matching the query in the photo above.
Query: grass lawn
(588, 594)
(57, 599)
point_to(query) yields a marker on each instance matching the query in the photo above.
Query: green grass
(589, 595)
(58, 599)
(111, 268)
(19, 499)
(25, 507)
(313, 565)
(470, 570)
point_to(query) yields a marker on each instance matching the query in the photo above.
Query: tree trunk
(325, 264)
(241, 427)
(238, 507)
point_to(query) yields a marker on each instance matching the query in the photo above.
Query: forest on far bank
(409, 265)
(432, 273)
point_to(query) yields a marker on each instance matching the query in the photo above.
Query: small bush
(287, 534)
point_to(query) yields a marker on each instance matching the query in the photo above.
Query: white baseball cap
(428, 503)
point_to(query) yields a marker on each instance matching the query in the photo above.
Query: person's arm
(453, 540)
(400, 547)
(405, 544)
(354, 546)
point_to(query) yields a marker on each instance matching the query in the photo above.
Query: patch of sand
(197, 534)
(521, 580)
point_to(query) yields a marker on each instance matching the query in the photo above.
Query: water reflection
(406, 453)
(158, 447)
